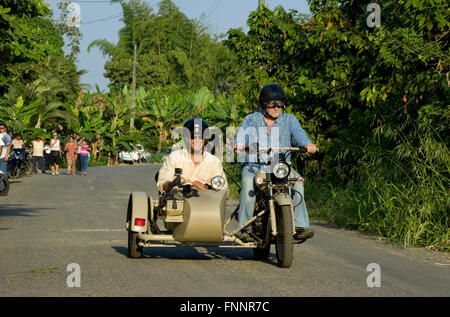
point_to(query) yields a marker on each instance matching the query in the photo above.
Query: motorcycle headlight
(217, 182)
(281, 170)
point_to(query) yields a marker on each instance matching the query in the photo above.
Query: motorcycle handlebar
(251, 148)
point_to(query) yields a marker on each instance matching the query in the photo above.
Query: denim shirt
(286, 131)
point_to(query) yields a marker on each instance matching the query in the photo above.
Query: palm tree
(50, 88)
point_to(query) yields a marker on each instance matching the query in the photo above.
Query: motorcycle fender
(138, 208)
(283, 199)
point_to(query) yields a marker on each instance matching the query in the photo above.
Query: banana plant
(19, 115)
(163, 113)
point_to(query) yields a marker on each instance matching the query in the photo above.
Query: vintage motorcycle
(192, 216)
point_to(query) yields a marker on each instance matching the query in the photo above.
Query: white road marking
(96, 230)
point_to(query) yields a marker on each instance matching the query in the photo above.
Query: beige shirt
(38, 148)
(17, 144)
(209, 167)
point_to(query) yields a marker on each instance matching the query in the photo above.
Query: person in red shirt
(71, 155)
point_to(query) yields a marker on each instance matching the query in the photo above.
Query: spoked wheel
(29, 168)
(4, 185)
(284, 239)
(14, 172)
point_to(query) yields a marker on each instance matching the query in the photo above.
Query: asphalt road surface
(47, 223)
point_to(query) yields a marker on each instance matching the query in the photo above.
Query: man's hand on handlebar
(195, 184)
(199, 185)
(312, 148)
(239, 147)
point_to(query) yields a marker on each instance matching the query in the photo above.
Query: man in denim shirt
(271, 127)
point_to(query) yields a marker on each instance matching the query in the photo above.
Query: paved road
(48, 222)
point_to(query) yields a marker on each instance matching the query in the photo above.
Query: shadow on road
(193, 253)
(324, 224)
(18, 210)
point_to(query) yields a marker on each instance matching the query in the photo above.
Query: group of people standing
(76, 153)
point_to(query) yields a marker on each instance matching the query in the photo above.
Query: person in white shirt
(5, 147)
(3, 164)
(55, 145)
(198, 166)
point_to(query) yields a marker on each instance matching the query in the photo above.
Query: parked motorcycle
(19, 163)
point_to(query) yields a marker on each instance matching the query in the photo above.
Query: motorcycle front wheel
(284, 243)
(4, 185)
(13, 172)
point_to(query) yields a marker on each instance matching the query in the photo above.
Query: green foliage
(67, 28)
(367, 97)
(173, 52)
(375, 101)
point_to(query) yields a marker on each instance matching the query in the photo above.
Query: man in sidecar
(273, 127)
(198, 165)
(190, 212)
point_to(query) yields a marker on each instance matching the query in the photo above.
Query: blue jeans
(248, 198)
(4, 167)
(84, 162)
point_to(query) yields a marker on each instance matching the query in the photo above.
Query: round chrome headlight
(217, 182)
(281, 170)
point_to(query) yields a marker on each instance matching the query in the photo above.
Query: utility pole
(133, 94)
(261, 3)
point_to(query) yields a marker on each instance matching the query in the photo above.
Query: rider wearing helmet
(270, 126)
(198, 165)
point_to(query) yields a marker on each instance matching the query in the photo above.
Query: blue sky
(101, 20)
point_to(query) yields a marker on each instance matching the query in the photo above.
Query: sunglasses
(272, 104)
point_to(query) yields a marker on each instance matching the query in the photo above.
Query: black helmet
(271, 92)
(196, 126)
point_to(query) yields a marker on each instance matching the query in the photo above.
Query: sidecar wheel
(284, 243)
(134, 251)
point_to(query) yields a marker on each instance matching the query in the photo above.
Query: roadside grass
(402, 194)
(411, 216)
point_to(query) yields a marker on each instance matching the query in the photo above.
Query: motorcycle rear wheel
(29, 168)
(262, 251)
(284, 243)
